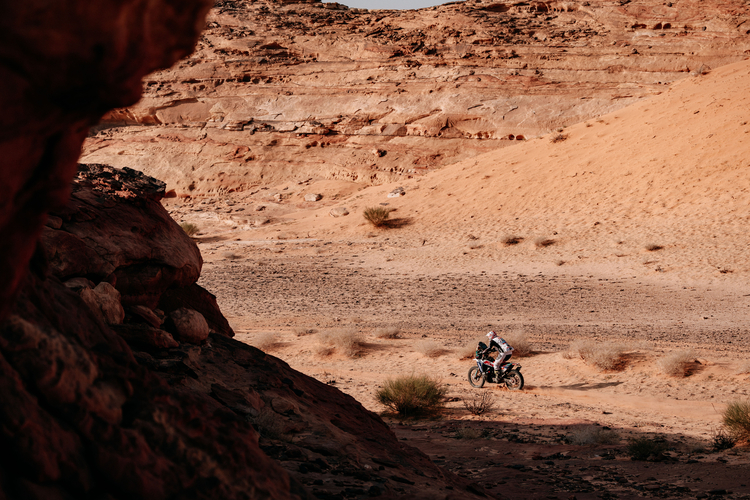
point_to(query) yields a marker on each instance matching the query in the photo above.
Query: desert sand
(644, 211)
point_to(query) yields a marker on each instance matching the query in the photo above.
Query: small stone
(54, 222)
(108, 300)
(146, 315)
(188, 325)
(399, 191)
(339, 212)
(260, 208)
(76, 284)
(313, 197)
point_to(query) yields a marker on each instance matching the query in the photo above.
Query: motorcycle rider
(505, 351)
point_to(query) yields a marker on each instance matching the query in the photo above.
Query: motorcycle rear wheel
(514, 380)
(476, 377)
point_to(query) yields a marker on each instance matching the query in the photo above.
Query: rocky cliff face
(63, 65)
(120, 379)
(299, 90)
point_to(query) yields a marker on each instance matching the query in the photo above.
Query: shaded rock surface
(130, 411)
(287, 91)
(64, 64)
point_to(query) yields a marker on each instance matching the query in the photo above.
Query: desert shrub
(265, 341)
(593, 435)
(652, 247)
(377, 216)
(722, 439)
(605, 355)
(520, 343)
(301, 330)
(558, 138)
(230, 255)
(479, 403)
(324, 350)
(511, 240)
(544, 242)
(429, 348)
(345, 340)
(736, 419)
(677, 363)
(468, 433)
(412, 396)
(387, 332)
(645, 448)
(189, 228)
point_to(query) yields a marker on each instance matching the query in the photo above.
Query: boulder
(339, 212)
(313, 197)
(188, 325)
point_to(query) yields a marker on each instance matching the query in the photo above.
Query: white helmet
(491, 335)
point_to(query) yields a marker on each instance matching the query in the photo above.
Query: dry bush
(377, 216)
(593, 435)
(347, 341)
(265, 341)
(544, 242)
(429, 348)
(512, 240)
(605, 355)
(412, 396)
(645, 448)
(677, 363)
(387, 332)
(189, 228)
(324, 350)
(230, 255)
(736, 419)
(519, 342)
(479, 403)
(558, 138)
(468, 433)
(301, 330)
(653, 247)
(722, 439)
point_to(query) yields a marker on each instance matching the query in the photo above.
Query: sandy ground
(648, 248)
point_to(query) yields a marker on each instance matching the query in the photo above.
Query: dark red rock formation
(130, 411)
(63, 65)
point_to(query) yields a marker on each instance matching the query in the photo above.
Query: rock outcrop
(106, 401)
(64, 64)
(282, 92)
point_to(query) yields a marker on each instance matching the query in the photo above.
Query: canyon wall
(280, 91)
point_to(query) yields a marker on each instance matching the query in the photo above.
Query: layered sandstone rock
(281, 91)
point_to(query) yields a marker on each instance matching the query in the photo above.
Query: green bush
(189, 228)
(645, 448)
(737, 419)
(377, 216)
(412, 396)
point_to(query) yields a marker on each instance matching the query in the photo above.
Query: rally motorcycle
(509, 373)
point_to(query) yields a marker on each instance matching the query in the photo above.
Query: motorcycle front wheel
(476, 377)
(514, 380)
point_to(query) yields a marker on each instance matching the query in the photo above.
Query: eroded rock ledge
(288, 91)
(106, 395)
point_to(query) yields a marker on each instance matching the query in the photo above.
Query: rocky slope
(109, 396)
(280, 91)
